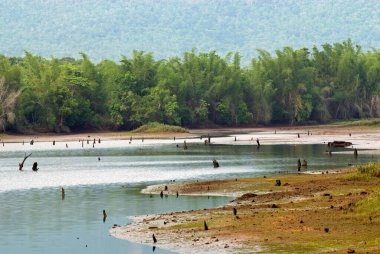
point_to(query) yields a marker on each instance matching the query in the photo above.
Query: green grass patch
(370, 204)
(373, 122)
(159, 128)
(365, 172)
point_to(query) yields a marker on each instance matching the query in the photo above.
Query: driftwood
(21, 165)
(339, 144)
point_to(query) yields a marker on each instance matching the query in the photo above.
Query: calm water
(34, 219)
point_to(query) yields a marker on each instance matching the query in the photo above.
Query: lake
(34, 218)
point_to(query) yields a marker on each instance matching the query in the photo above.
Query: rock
(301, 221)
(327, 230)
(274, 206)
(350, 251)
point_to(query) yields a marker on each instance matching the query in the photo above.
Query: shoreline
(361, 138)
(306, 204)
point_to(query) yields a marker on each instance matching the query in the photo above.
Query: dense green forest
(108, 29)
(339, 81)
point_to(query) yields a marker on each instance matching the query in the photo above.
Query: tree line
(290, 86)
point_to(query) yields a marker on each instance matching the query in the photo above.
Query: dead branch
(21, 165)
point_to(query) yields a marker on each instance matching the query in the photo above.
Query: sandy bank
(360, 138)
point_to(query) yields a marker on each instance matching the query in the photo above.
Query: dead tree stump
(205, 225)
(35, 167)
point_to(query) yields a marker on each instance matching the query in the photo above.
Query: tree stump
(63, 193)
(104, 215)
(35, 167)
(205, 225)
(154, 238)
